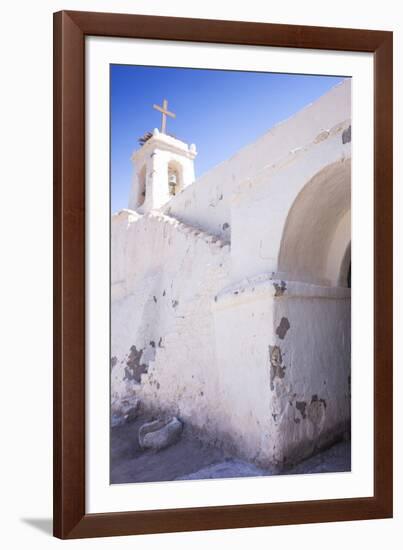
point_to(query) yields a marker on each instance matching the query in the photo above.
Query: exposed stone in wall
(134, 367)
(280, 288)
(277, 370)
(301, 407)
(283, 327)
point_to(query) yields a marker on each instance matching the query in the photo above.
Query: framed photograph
(223, 274)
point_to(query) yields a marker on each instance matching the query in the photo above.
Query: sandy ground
(191, 459)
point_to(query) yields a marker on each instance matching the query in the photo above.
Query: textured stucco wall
(283, 348)
(207, 203)
(310, 405)
(228, 307)
(172, 272)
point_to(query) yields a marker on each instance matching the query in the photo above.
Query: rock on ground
(159, 434)
(189, 459)
(132, 464)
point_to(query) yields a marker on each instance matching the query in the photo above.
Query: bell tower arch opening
(142, 186)
(175, 178)
(164, 167)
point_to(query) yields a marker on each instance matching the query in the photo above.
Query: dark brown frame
(70, 518)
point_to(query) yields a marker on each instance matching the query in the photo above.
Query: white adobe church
(231, 293)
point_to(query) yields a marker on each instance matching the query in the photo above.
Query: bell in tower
(173, 181)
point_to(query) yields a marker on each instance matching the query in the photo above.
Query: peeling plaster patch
(315, 398)
(276, 365)
(280, 288)
(316, 410)
(135, 368)
(175, 303)
(160, 342)
(164, 293)
(225, 226)
(152, 343)
(155, 299)
(301, 406)
(346, 135)
(283, 327)
(322, 136)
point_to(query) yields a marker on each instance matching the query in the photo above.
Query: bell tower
(163, 167)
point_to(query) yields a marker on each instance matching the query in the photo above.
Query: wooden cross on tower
(165, 113)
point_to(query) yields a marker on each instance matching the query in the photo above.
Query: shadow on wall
(315, 246)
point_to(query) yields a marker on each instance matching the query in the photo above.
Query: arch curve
(317, 231)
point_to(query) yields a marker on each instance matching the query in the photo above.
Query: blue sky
(219, 111)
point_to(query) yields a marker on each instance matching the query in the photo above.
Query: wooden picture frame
(70, 517)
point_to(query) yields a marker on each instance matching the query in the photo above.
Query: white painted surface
(152, 164)
(207, 204)
(175, 346)
(283, 356)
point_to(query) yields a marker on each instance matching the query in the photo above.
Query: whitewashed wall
(284, 352)
(207, 203)
(165, 310)
(226, 304)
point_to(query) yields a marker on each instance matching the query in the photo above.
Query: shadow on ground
(189, 458)
(129, 463)
(41, 524)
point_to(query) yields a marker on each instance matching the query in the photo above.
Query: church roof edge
(167, 143)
